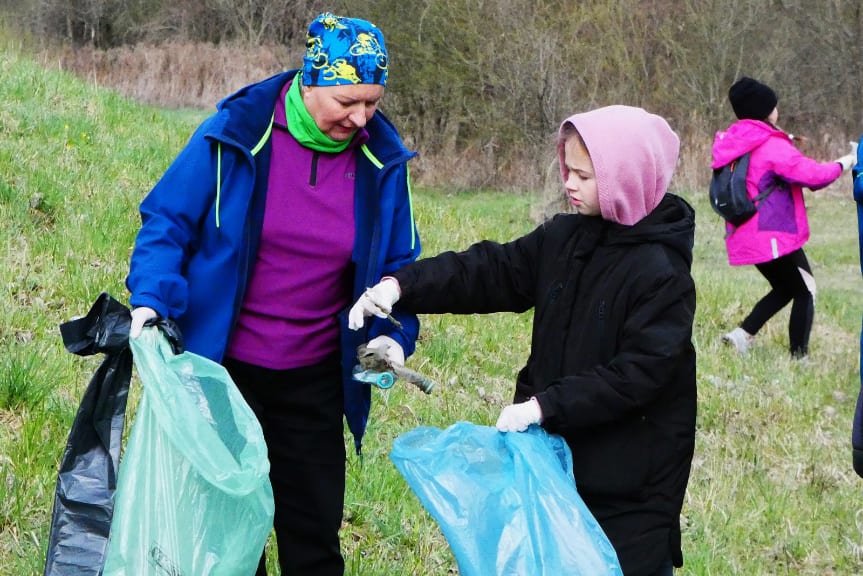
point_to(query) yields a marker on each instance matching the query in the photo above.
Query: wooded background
(479, 86)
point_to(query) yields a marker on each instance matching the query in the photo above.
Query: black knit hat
(752, 99)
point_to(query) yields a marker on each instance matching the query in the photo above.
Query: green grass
(771, 492)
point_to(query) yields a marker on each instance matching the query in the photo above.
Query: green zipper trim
(265, 137)
(255, 151)
(380, 165)
(411, 206)
(218, 182)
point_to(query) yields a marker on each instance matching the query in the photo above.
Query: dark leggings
(787, 284)
(300, 412)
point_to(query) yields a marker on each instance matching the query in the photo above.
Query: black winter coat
(611, 363)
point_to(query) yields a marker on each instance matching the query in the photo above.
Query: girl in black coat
(612, 365)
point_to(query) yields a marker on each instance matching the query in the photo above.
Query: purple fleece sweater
(301, 278)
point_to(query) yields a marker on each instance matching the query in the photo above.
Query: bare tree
(483, 83)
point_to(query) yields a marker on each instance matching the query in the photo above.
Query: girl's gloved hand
(375, 301)
(517, 417)
(850, 159)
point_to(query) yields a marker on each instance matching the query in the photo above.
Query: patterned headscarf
(343, 51)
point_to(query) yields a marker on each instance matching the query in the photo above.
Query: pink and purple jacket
(780, 226)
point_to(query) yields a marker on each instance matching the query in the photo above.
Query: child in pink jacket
(773, 239)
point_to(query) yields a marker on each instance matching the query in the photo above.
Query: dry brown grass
(174, 74)
(197, 75)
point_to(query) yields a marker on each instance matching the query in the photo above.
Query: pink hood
(741, 137)
(634, 154)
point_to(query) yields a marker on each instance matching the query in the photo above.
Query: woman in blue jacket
(857, 426)
(283, 207)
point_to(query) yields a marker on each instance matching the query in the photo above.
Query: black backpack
(728, 192)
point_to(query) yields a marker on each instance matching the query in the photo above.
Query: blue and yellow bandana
(343, 51)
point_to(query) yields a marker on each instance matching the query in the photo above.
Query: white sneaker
(740, 339)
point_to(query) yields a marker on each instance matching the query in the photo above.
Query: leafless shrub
(175, 74)
(477, 85)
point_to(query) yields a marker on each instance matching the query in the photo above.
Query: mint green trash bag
(193, 496)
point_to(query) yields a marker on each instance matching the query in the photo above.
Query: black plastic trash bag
(87, 479)
(84, 497)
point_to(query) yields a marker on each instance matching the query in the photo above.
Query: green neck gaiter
(302, 126)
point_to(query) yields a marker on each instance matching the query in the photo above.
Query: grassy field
(771, 492)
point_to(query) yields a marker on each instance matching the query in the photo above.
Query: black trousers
(665, 569)
(787, 284)
(300, 411)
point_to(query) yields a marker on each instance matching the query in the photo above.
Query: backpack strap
(757, 200)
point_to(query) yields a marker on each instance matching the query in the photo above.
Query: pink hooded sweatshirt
(780, 226)
(632, 173)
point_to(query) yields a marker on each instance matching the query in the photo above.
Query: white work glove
(392, 349)
(517, 417)
(377, 300)
(849, 160)
(139, 316)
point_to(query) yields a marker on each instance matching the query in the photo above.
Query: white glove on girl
(517, 417)
(849, 160)
(375, 301)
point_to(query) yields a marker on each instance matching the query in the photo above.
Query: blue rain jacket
(201, 228)
(857, 429)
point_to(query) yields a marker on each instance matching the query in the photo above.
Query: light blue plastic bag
(506, 502)
(194, 495)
